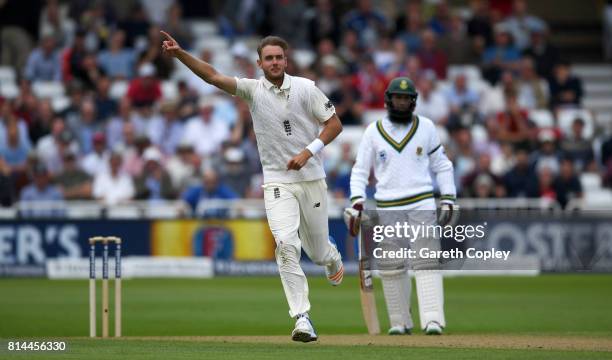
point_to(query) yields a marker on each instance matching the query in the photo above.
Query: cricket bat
(368, 301)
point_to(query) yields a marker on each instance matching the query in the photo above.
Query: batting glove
(352, 216)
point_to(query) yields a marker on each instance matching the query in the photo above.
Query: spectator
(532, 90)
(54, 21)
(154, 183)
(323, 23)
(166, 131)
(567, 184)
(347, 101)
(522, 180)
(548, 155)
(493, 100)
(579, 148)
(117, 61)
(520, 24)
(461, 149)
(329, 81)
(513, 123)
(44, 62)
(479, 25)
(209, 189)
(72, 57)
(546, 178)
(432, 103)
(479, 177)
(545, 55)
(351, 50)
(8, 192)
(501, 56)
(144, 90)
(40, 124)
(367, 23)
(153, 55)
(440, 21)
(115, 186)
(234, 170)
(458, 46)
(85, 125)
(462, 100)
(287, 20)
(41, 190)
(135, 26)
(371, 84)
(175, 24)
(410, 26)
(504, 161)
(430, 56)
(183, 167)
(74, 183)
(96, 161)
(206, 126)
(133, 161)
(115, 126)
(51, 146)
(565, 89)
(106, 106)
(90, 72)
(237, 18)
(14, 151)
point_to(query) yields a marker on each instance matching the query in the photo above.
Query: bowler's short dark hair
(272, 40)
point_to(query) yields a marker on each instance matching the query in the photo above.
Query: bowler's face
(273, 62)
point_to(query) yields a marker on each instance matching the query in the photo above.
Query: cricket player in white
(402, 149)
(287, 113)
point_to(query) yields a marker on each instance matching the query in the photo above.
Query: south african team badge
(419, 151)
(403, 85)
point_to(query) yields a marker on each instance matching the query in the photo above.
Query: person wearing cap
(293, 121)
(167, 130)
(72, 181)
(210, 188)
(97, 160)
(403, 150)
(502, 55)
(144, 90)
(183, 167)
(41, 190)
(206, 125)
(154, 183)
(114, 186)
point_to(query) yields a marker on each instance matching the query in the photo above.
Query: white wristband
(315, 146)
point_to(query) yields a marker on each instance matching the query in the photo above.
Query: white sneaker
(399, 330)
(335, 272)
(304, 331)
(433, 328)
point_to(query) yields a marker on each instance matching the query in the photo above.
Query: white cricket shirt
(285, 121)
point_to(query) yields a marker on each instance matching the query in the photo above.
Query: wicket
(92, 285)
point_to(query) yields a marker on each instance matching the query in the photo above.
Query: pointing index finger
(166, 35)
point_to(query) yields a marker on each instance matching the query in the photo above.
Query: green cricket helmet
(405, 86)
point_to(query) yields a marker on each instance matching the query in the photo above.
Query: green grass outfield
(545, 317)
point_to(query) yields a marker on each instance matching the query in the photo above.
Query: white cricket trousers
(297, 215)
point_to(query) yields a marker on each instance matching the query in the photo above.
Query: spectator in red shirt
(513, 122)
(145, 89)
(371, 84)
(430, 56)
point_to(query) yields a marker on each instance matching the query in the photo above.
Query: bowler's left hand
(299, 160)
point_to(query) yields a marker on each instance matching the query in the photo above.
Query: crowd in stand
(200, 143)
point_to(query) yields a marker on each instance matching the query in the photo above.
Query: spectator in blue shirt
(209, 189)
(42, 190)
(367, 22)
(44, 62)
(117, 61)
(501, 56)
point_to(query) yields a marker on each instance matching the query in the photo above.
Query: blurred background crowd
(91, 109)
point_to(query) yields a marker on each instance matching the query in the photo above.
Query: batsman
(403, 149)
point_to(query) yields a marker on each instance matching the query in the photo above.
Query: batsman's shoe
(335, 272)
(399, 330)
(304, 331)
(433, 328)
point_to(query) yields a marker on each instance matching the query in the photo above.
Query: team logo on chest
(419, 151)
(382, 156)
